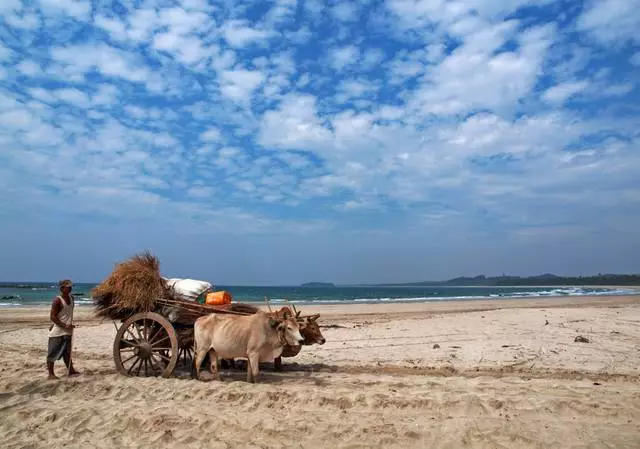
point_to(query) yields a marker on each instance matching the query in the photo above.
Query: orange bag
(218, 298)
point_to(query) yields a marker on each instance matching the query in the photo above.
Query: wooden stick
(266, 300)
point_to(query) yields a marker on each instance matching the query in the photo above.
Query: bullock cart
(154, 327)
(154, 343)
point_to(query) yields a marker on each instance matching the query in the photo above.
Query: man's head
(65, 286)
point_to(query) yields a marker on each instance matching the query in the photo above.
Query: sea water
(32, 294)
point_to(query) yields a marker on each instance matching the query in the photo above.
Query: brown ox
(309, 330)
(257, 338)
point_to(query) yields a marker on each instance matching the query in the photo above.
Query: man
(61, 331)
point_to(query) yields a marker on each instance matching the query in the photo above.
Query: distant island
(546, 279)
(317, 285)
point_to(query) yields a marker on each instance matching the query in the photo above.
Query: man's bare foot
(52, 377)
(74, 373)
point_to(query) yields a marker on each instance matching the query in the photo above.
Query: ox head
(288, 329)
(311, 331)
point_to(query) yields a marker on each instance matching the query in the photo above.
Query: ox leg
(277, 364)
(213, 359)
(253, 367)
(197, 360)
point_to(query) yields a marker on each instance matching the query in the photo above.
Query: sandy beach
(464, 374)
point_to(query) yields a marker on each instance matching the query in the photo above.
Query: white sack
(188, 289)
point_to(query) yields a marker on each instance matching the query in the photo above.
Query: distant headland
(546, 279)
(317, 285)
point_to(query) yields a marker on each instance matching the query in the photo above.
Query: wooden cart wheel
(146, 345)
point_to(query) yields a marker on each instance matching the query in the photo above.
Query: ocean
(33, 294)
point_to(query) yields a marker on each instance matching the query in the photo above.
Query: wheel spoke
(131, 344)
(153, 357)
(162, 356)
(146, 366)
(126, 360)
(155, 364)
(154, 335)
(132, 335)
(154, 343)
(140, 337)
(154, 349)
(133, 365)
(139, 368)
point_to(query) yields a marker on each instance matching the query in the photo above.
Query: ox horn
(293, 307)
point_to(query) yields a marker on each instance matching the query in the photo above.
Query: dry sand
(501, 378)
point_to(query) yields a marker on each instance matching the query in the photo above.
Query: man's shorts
(59, 347)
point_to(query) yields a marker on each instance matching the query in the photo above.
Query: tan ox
(311, 333)
(258, 337)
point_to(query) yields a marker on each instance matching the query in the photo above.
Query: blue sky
(290, 141)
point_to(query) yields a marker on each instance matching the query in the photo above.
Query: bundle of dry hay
(133, 286)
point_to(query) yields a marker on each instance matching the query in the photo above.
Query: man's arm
(55, 309)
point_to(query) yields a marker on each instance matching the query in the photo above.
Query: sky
(290, 141)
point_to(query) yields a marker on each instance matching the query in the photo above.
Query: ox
(257, 337)
(311, 334)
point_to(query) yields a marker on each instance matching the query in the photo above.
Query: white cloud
(282, 11)
(616, 90)
(187, 49)
(78, 9)
(73, 96)
(359, 204)
(352, 89)
(136, 112)
(42, 94)
(142, 23)
(346, 12)
(17, 119)
(29, 68)
(109, 61)
(562, 92)
(372, 58)
(106, 94)
(238, 85)
(115, 28)
(473, 77)
(8, 6)
(339, 58)
(612, 21)
(300, 36)
(201, 192)
(238, 34)
(5, 53)
(211, 135)
(24, 21)
(224, 61)
(183, 22)
(294, 125)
